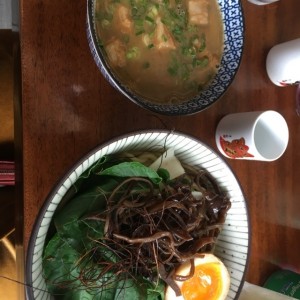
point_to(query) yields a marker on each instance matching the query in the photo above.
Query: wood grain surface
(68, 108)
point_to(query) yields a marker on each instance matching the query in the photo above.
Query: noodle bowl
(231, 245)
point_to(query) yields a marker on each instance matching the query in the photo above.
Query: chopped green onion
(153, 11)
(133, 53)
(185, 72)
(151, 46)
(125, 38)
(172, 71)
(192, 28)
(151, 34)
(111, 9)
(188, 51)
(100, 43)
(139, 26)
(173, 67)
(203, 42)
(149, 19)
(142, 10)
(139, 22)
(140, 32)
(98, 16)
(104, 15)
(134, 11)
(201, 62)
(174, 14)
(166, 22)
(105, 23)
(177, 30)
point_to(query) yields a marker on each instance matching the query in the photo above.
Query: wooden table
(67, 108)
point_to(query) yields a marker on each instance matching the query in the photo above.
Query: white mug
(259, 135)
(262, 2)
(283, 63)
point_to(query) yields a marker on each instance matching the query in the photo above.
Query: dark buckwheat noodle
(154, 232)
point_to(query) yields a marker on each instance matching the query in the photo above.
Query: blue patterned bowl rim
(233, 21)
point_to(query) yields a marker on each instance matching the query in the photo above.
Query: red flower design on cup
(236, 148)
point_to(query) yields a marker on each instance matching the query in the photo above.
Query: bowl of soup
(129, 218)
(174, 57)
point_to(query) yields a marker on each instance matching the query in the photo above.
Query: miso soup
(165, 51)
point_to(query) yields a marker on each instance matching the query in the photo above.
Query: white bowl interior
(232, 246)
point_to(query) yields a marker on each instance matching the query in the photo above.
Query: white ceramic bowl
(232, 246)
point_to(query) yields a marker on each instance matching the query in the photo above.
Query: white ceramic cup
(283, 63)
(259, 135)
(262, 2)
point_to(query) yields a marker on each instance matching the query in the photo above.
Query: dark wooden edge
(18, 136)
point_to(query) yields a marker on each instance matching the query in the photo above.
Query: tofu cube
(198, 12)
(116, 53)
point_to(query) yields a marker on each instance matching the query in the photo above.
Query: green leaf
(164, 174)
(155, 291)
(63, 262)
(82, 234)
(139, 288)
(89, 177)
(100, 293)
(78, 207)
(59, 264)
(132, 169)
(79, 294)
(85, 202)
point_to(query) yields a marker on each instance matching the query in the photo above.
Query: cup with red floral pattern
(257, 135)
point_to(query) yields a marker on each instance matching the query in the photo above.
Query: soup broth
(165, 51)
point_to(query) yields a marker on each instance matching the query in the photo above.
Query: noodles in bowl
(167, 56)
(84, 184)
